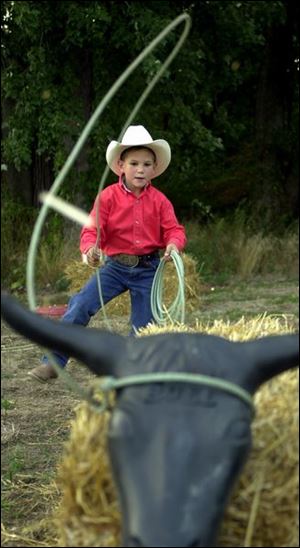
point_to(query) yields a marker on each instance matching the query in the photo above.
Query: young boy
(135, 221)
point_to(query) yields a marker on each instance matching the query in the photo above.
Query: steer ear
(100, 351)
(270, 356)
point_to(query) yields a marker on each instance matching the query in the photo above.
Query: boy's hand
(94, 256)
(169, 248)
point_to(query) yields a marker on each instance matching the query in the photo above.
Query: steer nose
(135, 542)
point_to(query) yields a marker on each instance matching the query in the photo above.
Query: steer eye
(121, 425)
(238, 430)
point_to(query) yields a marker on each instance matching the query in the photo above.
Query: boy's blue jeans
(115, 279)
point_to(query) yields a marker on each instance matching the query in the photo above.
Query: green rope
(111, 383)
(176, 311)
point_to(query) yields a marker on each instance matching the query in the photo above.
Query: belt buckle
(128, 260)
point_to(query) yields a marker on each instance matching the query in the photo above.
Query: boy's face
(138, 166)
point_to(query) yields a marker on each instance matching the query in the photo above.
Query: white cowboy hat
(139, 136)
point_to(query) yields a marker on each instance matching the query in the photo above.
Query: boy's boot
(43, 373)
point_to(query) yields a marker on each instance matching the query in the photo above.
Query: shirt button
(137, 241)
(137, 222)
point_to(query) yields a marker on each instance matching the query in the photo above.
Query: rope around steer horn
(111, 383)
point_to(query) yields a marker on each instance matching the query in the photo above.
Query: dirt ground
(35, 417)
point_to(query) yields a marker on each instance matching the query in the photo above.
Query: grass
(16, 462)
(7, 404)
(230, 301)
(58, 242)
(227, 248)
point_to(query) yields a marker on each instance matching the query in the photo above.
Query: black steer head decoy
(176, 448)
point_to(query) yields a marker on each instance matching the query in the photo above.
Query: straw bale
(78, 273)
(240, 330)
(264, 507)
(88, 514)
(263, 510)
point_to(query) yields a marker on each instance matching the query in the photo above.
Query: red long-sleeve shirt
(132, 225)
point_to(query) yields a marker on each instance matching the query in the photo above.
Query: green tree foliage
(60, 58)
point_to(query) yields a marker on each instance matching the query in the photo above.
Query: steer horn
(99, 350)
(270, 356)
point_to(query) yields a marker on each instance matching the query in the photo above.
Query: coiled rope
(176, 311)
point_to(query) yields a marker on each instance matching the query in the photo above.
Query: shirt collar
(124, 186)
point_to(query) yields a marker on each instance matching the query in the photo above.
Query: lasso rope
(176, 311)
(32, 252)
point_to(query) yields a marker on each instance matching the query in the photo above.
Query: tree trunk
(41, 175)
(276, 191)
(84, 94)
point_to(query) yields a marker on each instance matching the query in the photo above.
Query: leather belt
(134, 260)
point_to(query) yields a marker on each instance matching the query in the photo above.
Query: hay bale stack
(78, 273)
(243, 329)
(264, 506)
(88, 514)
(263, 510)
